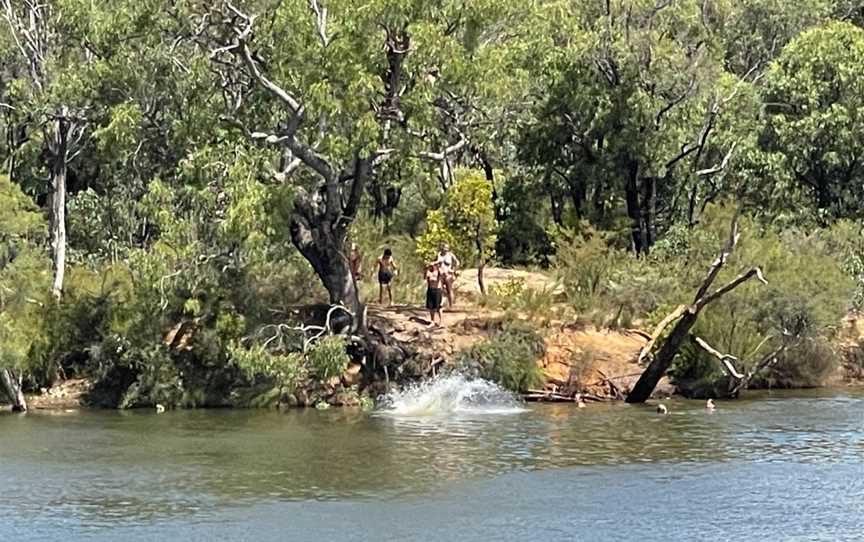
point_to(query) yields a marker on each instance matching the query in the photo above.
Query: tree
(630, 113)
(337, 104)
(466, 221)
(36, 31)
(685, 317)
(23, 274)
(815, 103)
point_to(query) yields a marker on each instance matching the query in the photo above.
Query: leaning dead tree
(684, 317)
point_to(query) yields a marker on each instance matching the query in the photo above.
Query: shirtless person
(387, 269)
(355, 261)
(433, 279)
(449, 265)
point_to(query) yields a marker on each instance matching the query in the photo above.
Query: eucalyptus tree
(340, 88)
(47, 91)
(633, 101)
(814, 98)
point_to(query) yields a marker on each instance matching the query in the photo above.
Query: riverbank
(579, 358)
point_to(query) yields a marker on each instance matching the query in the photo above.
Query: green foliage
(466, 221)
(816, 105)
(807, 295)
(24, 276)
(509, 357)
(177, 216)
(509, 289)
(288, 370)
(534, 304)
(327, 357)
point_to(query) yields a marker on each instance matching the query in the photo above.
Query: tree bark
(649, 212)
(660, 364)
(58, 148)
(58, 224)
(634, 207)
(324, 249)
(12, 385)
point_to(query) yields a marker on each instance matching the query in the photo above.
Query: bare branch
(738, 281)
(727, 360)
(721, 166)
(658, 330)
(320, 13)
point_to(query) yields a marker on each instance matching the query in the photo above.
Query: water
(452, 461)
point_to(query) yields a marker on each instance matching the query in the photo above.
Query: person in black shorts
(387, 269)
(433, 279)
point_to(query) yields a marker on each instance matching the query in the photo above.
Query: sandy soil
(61, 396)
(601, 363)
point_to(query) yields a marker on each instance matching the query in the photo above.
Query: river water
(773, 466)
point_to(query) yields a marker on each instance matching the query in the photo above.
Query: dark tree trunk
(385, 198)
(649, 212)
(660, 364)
(634, 207)
(489, 173)
(823, 193)
(598, 203)
(577, 195)
(324, 249)
(319, 228)
(557, 209)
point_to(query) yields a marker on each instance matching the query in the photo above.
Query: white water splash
(448, 395)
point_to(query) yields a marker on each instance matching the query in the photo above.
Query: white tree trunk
(12, 385)
(58, 145)
(58, 225)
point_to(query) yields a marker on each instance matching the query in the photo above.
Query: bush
(606, 285)
(327, 357)
(513, 295)
(286, 370)
(509, 357)
(466, 221)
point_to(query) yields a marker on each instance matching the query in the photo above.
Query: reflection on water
(83, 473)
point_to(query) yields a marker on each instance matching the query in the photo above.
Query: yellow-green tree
(23, 277)
(466, 221)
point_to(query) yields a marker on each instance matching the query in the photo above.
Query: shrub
(327, 357)
(466, 221)
(514, 295)
(509, 357)
(286, 370)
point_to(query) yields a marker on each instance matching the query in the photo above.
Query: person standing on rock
(449, 266)
(434, 280)
(387, 269)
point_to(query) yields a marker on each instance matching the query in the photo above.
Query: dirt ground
(63, 395)
(579, 359)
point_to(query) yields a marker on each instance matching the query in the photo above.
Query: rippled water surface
(779, 466)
